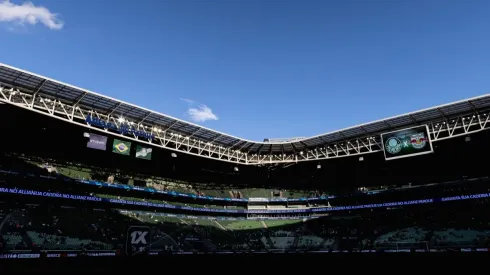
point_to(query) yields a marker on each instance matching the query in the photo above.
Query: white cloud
(199, 112)
(189, 101)
(28, 13)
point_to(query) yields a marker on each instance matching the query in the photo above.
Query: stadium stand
(43, 227)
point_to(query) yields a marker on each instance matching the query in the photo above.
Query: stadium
(85, 174)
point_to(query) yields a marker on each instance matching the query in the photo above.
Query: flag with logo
(96, 141)
(143, 152)
(121, 147)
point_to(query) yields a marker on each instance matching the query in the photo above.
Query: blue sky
(262, 68)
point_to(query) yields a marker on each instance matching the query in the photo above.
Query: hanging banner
(143, 152)
(121, 147)
(95, 141)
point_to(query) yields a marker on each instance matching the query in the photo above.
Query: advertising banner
(95, 141)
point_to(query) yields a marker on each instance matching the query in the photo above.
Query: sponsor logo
(139, 237)
(138, 240)
(418, 141)
(393, 145)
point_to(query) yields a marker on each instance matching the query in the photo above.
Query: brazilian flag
(121, 147)
(143, 152)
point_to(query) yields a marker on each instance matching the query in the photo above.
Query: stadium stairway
(270, 243)
(26, 238)
(322, 244)
(296, 240)
(4, 223)
(219, 225)
(263, 224)
(429, 236)
(209, 245)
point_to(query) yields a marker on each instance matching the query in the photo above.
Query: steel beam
(445, 127)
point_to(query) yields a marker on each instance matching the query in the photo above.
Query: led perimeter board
(407, 143)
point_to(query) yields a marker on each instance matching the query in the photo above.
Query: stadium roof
(32, 83)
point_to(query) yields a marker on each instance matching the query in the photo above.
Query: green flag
(143, 152)
(121, 147)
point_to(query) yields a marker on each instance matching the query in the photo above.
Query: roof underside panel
(311, 142)
(427, 115)
(481, 102)
(353, 132)
(456, 108)
(376, 126)
(287, 147)
(402, 121)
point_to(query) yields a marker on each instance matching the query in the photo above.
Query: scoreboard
(407, 143)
